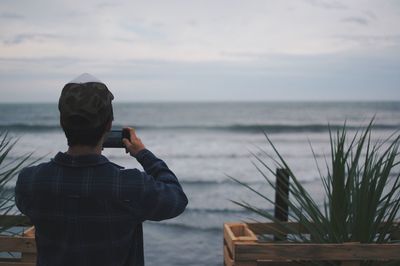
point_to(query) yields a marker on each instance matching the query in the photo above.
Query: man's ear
(108, 128)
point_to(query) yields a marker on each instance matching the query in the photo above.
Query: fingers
(132, 133)
(134, 145)
(126, 142)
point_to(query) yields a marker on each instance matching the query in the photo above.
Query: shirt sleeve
(20, 201)
(163, 196)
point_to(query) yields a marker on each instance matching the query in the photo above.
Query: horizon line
(223, 101)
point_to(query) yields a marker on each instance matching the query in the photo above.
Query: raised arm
(163, 197)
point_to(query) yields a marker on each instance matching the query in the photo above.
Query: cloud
(34, 60)
(106, 5)
(192, 23)
(177, 49)
(286, 77)
(370, 14)
(372, 40)
(26, 37)
(142, 31)
(11, 16)
(327, 4)
(356, 20)
(15, 66)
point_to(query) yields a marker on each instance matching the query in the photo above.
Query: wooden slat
(228, 261)
(278, 263)
(249, 250)
(28, 257)
(30, 232)
(17, 244)
(308, 252)
(237, 232)
(228, 237)
(271, 228)
(17, 263)
(350, 263)
(15, 220)
(395, 235)
(25, 244)
(281, 209)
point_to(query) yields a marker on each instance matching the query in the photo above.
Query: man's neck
(78, 150)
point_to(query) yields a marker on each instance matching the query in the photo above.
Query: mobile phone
(114, 138)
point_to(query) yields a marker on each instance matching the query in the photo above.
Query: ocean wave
(256, 128)
(189, 227)
(278, 128)
(206, 182)
(268, 128)
(261, 181)
(30, 127)
(217, 211)
(224, 182)
(208, 156)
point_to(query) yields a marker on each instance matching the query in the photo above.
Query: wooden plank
(15, 220)
(17, 244)
(240, 231)
(395, 235)
(17, 263)
(25, 244)
(237, 232)
(30, 232)
(28, 257)
(228, 237)
(278, 263)
(281, 195)
(309, 252)
(281, 209)
(9, 259)
(271, 228)
(350, 263)
(228, 261)
(246, 263)
(250, 250)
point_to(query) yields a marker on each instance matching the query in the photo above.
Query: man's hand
(135, 145)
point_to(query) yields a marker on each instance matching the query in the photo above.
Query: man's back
(89, 211)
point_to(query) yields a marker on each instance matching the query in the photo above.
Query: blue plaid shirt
(89, 211)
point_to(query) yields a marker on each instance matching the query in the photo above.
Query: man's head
(85, 110)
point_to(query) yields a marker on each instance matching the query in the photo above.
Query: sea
(205, 144)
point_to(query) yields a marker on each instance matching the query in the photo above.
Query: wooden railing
(246, 244)
(243, 247)
(17, 249)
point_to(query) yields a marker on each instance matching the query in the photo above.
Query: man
(86, 209)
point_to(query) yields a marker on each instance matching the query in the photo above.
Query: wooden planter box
(243, 247)
(23, 247)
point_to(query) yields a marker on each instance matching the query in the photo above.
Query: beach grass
(362, 190)
(8, 170)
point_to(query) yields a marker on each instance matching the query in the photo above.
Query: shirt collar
(79, 161)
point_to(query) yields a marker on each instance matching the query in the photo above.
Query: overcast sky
(202, 50)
